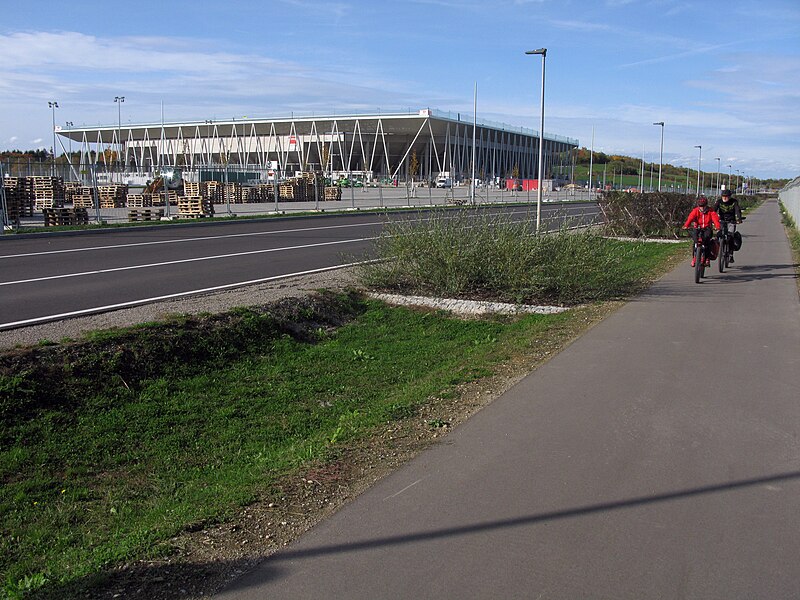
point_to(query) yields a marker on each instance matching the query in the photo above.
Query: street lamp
(69, 125)
(543, 53)
(718, 162)
(699, 162)
(53, 106)
(661, 156)
(729, 176)
(737, 180)
(119, 100)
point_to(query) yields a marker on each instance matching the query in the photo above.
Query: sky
(724, 75)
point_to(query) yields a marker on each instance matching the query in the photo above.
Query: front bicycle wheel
(722, 258)
(698, 264)
(728, 254)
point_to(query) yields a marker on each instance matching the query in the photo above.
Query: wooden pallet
(82, 201)
(148, 214)
(139, 200)
(333, 193)
(158, 199)
(65, 216)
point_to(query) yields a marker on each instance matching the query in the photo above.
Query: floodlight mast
(543, 53)
(661, 155)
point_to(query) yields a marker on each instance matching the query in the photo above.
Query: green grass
(109, 480)
(472, 254)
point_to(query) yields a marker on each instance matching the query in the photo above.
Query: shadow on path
(269, 571)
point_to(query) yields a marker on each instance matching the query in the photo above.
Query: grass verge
(112, 446)
(793, 233)
(473, 254)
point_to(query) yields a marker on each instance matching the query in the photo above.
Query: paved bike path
(656, 457)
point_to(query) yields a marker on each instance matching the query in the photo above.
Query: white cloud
(580, 26)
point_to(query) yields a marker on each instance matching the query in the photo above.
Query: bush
(472, 254)
(656, 214)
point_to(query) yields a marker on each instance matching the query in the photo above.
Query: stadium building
(420, 145)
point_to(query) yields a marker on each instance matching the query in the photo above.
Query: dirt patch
(206, 557)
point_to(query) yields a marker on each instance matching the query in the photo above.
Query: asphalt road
(656, 457)
(52, 277)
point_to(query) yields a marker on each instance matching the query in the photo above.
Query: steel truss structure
(417, 145)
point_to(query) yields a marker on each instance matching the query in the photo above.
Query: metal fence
(790, 198)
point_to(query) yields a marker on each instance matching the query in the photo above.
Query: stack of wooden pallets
(71, 188)
(83, 200)
(112, 196)
(194, 189)
(213, 191)
(261, 192)
(158, 198)
(315, 185)
(48, 192)
(292, 190)
(65, 216)
(139, 200)
(193, 207)
(232, 193)
(13, 194)
(145, 214)
(333, 192)
(19, 188)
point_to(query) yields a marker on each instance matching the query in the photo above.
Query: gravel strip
(214, 302)
(468, 307)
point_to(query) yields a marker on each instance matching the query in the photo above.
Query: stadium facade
(416, 145)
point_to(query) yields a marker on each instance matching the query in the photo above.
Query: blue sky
(721, 74)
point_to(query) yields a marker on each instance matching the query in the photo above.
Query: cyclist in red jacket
(704, 221)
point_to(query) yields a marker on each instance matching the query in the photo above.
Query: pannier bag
(713, 249)
(737, 241)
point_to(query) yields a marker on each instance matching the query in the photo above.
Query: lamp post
(119, 100)
(699, 162)
(718, 162)
(737, 180)
(543, 53)
(53, 106)
(661, 155)
(70, 125)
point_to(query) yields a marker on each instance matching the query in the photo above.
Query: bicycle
(699, 259)
(726, 244)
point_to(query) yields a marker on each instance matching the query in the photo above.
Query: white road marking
(108, 307)
(185, 260)
(184, 240)
(200, 239)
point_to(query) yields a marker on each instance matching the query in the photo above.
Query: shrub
(489, 256)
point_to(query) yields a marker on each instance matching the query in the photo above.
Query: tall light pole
(70, 125)
(543, 53)
(591, 162)
(53, 106)
(661, 155)
(737, 180)
(730, 174)
(718, 163)
(119, 100)
(699, 162)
